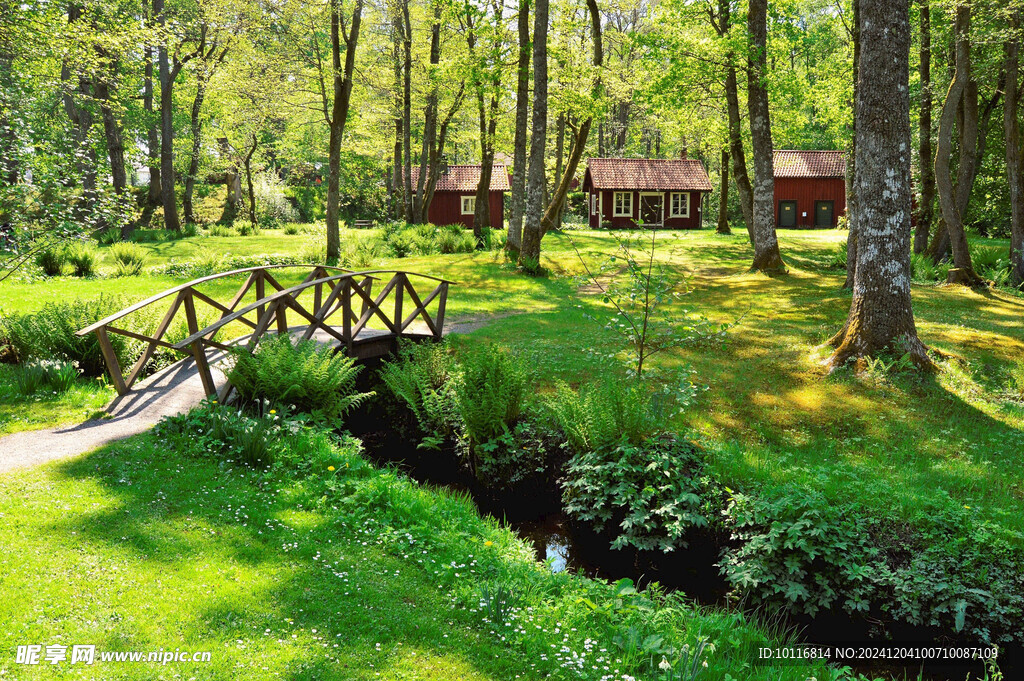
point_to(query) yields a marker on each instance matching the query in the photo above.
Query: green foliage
(83, 260)
(51, 260)
(1016, 379)
(128, 258)
(291, 229)
(647, 495)
(491, 394)
(837, 259)
(55, 376)
(248, 229)
(108, 236)
(422, 378)
(311, 201)
(605, 414)
(524, 451)
(222, 230)
(946, 568)
(227, 433)
(49, 334)
(309, 376)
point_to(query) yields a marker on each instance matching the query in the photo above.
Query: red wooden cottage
(454, 199)
(649, 192)
(810, 188)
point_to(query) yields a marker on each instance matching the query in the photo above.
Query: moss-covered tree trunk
(723, 197)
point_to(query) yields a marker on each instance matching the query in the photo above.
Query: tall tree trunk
(963, 270)
(553, 213)
(168, 74)
(926, 156)
(342, 92)
(75, 98)
(723, 197)
(881, 317)
(152, 130)
(1014, 160)
(197, 141)
(248, 180)
(766, 246)
(430, 114)
(518, 193)
(103, 87)
(407, 108)
(739, 157)
(529, 254)
(399, 177)
(851, 165)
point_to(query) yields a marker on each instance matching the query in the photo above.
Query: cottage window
(468, 205)
(593, 204)
(680, 205)
(623, 204)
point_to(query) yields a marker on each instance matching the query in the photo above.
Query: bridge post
(442, 301)
(399, 296)
(110, 357)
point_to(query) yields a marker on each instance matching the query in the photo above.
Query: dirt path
(174, 390)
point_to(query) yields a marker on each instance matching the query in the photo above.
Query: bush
(83, 260)
(946, 568)
(291, 229)
(450, 241)
(272, 204)
(308, 376)
(227, 433)
(605, 414)
(51, 260)
(108, 236)
(1016, 383)
(923, 270)
(647, 495)
(222, 230)
(837, 261)
(491, 394)
(248, 229)
(56, 376)
(128, 258)
(422, 379)
(49, 334)
(525, 451)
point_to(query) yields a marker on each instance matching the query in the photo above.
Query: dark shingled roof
(465, 178)
(820, 164)
(647, 173)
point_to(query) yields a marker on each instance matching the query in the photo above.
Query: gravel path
(174, 390)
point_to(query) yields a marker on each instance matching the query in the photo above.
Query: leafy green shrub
(521, 452)
(401, 244)
(83, 260)
(226, 433)
(922, 269)
(128, 258)
(222, 230)
(55, 376)
(248, 229)
(108, 236)
(308, 376)
(291, 229)
(49, 334)
(422, 379)
(647, 495)
(605, 414)
(945, 568)
(837, 260)
(491, 394)
(51, 260)
(1016, 383)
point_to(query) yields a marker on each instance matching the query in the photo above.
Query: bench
(362, 224)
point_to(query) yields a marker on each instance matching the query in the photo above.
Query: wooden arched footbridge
(331, 304)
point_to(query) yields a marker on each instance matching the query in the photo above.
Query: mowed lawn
(764, 408)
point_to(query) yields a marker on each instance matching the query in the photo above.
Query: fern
(491, 393)
(421, 378)
(604, 414)
(308, 376)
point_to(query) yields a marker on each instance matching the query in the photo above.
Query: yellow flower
(330, 468)
(488, 543)
(966, 506)
(273, 411)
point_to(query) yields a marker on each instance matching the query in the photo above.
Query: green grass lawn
(353, 574)
(18, 412)
(769, 413)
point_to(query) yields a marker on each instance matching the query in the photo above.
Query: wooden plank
(224, 310)
(439, 319)
(399, 301)
(373, 308)
(110, 357)
(261, 293)
(421, 310)
(203, 366)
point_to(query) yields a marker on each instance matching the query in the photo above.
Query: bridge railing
(334, 290)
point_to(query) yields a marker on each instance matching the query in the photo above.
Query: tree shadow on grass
(226, 564)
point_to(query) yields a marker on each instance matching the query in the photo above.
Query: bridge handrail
(181, 287)
(289, 292)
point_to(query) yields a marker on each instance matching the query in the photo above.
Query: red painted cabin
(810, 188)
(623, 193)
(454, 199)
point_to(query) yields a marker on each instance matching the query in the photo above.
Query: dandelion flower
(488, 543)
(330, 468)
(273, 411)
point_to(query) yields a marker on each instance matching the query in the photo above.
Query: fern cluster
(491, 394)
(308, 376)
(422, 379)
(605, 414)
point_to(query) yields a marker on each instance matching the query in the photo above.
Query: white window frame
(593, 204)
(615, 205)
(471, 200)
(672, 205)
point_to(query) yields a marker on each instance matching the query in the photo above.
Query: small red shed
(650, 192)
(810, 188)
(454, 201)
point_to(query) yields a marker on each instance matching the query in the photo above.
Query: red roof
(789, 163)
(647, 173)
(465, 178)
